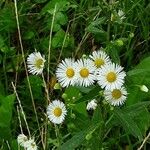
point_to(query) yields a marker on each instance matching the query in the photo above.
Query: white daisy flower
(35, 63)
(21, 139)
(30, 145)
(100, 58)
(65, 72)
(111, 76)
(86, 72)
(56, 112)
(116, 97)
(92, 105)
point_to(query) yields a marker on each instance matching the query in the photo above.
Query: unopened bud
(57, 86)
(64, 96)
(144, 88)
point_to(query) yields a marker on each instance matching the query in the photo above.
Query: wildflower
(91, 105)
(35, 63)
(21, 139)
(56, 112)
(111, 76)
(65, 72)
(100, 58)
(144, 88)
(85, 72)
(116, 97)
(30, 145)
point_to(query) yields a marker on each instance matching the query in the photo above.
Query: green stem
(58, 135)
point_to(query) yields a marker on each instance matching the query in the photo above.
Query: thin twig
(19, 120)
(24, 117)
(144, 141)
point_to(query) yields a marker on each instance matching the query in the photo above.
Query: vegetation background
(72, 28)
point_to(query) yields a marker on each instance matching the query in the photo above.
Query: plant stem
(58, 135)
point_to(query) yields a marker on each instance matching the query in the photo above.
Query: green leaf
(6, 115)
(72, 94)
(134, 110)
(62, 5)
(90, 95)
(128, 123)
(78, 138)
(60, 18)
(58, 39)
(141, 68)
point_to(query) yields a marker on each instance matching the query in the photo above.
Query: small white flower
(91, 105)
(21, 139)
(30, 145)
(100, 58)
(85, 72)
(144, 88)
(116, 97)
(35, 63)
(121, 14)
(111, 76)
(56, 112)
(65, 72)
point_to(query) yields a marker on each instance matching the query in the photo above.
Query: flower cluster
(98, 67)
(28, 144)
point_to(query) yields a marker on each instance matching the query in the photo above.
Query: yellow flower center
(99, 62)
(39, 63)
(84, 72)
(111, 77)
(70, 72)
(116, 94)
(57, 112)
(33, 145)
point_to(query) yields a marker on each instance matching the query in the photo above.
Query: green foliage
(79, 27)
(6, 107)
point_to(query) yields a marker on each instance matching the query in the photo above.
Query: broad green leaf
(77, 139)
(128, 123)
(72, 94)
(134, 110)
(141, 69)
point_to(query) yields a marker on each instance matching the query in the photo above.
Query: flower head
(56, 112)
(111, 76)
(65, 72)
(30, 145)
(100, 58)
(91, 105)
(21, 139)
(116, 97)
(85, 72)
(35, 63)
